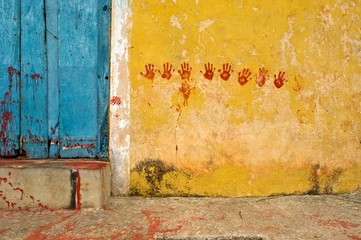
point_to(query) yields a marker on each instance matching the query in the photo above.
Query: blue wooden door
(54, 78)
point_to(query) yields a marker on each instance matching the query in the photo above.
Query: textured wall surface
(245, 98)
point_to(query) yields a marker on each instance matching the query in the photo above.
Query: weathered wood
(9, 77)
(78, 76)
(52, 40)
(34, 92)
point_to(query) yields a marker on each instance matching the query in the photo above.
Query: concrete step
(50, 184)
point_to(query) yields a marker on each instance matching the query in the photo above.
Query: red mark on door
(262, 77)
(226, 72)
(149, 72)
(185, 73)
(209, 73)
(243, 77)
(115, 101)
(280, 79)
(167, 73)
(36, 76)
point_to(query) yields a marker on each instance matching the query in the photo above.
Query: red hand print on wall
(209, 71)
(280, 79)
(226, 73)
(149, 72)
(243, 76)
(167, 74)
(262, 77)
(186, 71)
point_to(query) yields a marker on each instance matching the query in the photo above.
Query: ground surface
(294, 217)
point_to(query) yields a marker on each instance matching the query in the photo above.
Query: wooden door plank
(104, 10)
(78, 60)
(51, 7)
(34, 121)
(9, 77)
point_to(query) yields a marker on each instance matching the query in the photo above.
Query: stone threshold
(53, 184)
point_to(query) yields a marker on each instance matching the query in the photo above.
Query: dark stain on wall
(154, 170)
(315, 183)
(333, 178)
(330, 178)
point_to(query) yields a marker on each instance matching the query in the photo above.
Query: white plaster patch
(288, 50)
(326, 18)
(205, 24)
(183, 39)
(184, 53)
(174, 21)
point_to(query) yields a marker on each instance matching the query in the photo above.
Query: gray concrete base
(49, 184)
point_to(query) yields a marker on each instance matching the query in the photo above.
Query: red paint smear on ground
(38, 233)
(4, 230)
(340, 223)
(78, 194)
(354, 237)
(154, 225)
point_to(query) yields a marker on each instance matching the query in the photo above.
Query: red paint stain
(32, 198)
(199, 218)
(226, 72)
(280, 79)
(38, 233)
(78, 194)
(167, 73)
(154, 226)
(21, 164)
(354, 237)
(340, 223)
(116, 101)
(185, 73)
(186, 91)
(4, 230)
(149, 72)
(243, 77)
(209, 73)
(36, 76)
(270, 229)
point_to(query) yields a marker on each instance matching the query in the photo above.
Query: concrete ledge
(50, 184)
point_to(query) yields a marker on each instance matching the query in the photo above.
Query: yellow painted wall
(231, 137)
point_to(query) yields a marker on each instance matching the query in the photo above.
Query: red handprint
(209, 71)
(149, 72)
(243, 78)
(280, 79)
(167, 74)
(262, 77)
(226, 73)
(186, 71)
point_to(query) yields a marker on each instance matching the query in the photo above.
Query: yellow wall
(195, 136)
